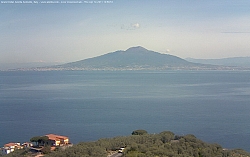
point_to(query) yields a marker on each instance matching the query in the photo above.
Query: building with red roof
(58, 140)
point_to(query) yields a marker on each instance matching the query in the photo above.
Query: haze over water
(212, 105)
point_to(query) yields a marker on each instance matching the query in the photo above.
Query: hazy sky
(71, 32)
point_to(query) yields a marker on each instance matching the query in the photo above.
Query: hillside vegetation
(141, 144)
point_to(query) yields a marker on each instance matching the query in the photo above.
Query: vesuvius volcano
(134, 58)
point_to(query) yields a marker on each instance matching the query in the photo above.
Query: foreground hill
(141, 144)
(164, 144)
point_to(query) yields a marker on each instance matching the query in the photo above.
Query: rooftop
(56, 137)
(11, 144)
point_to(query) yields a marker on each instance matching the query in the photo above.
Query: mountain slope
(134, 58)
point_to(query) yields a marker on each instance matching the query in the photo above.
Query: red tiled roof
(10, 144)
(56, 137)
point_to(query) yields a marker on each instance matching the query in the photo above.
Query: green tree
(43, 139)
(139, 132)
(167, 136)
(35, 139)
(40, 139)
(46, 150)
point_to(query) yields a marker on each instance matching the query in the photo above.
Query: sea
(89, 105)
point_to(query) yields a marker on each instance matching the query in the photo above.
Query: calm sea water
(212, 105)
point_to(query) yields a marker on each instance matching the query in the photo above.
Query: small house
(10, 147)
(57, 140)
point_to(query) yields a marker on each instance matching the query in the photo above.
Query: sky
(66, 32)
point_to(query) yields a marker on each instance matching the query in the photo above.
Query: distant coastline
(139, 59)
(198, 68)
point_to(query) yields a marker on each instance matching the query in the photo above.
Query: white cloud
(131, 26)
(136, 25)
